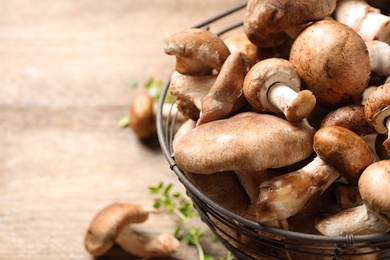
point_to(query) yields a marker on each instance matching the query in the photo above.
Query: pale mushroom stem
(366, 20)
(386, 143)
(294, 105)
(379, 53)
(158, 246)
(354, 221)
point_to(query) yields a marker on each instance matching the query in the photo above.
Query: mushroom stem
(170, 112)
(294, 105)
(158, 246)
(286, 195)
(366, 20)
(353, 221)
(379, 54)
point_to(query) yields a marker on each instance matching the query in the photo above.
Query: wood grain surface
(65, 68)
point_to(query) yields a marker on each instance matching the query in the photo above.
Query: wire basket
(258, 241)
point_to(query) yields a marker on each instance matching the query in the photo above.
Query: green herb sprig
(180, 205)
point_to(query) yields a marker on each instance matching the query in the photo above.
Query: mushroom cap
(197, 51)
(188, 92)
(349, 116)
(240, 42)
(377, 108)
(108, 223)
(269, 18)
(332, 61)
(247, 141)
(344, 150)
(142, 117)
(374, 189)
(227, 89)
(263, 75)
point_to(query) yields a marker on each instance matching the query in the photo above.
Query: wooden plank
(65, 70)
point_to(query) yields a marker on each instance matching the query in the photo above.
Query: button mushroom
(246, 141)
(142, 115)
(339, 151)
(377, 111)
(364, 19)
(112, 225)
(274, 85)
(226, 95)
(197, 51)
(369, 218)
(332, 61)
(268, 19)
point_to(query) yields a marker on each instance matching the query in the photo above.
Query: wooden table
(65, 69)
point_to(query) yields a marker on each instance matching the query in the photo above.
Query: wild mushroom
(377, 111)
(197, 51)
(142, 115)
(379, 53)
(265, 20)
(339, 152)
(332, 61)
(234, 144)
(112, 225)
(352, 117)
(274, 85)
(366, 20)
(226, 95)
(189, 91)
(369, 218)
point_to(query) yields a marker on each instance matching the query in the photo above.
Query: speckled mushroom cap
(377, 108)
(333, 62)
(247, 141)
(344, 150)
(349, 116)
(374, 186)
(197, 51)
(267, 19)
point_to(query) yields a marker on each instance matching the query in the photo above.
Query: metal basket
(263, 244)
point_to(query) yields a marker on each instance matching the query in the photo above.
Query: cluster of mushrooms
(286, 120)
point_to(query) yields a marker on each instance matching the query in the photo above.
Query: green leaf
(124, 122)
(133, 83)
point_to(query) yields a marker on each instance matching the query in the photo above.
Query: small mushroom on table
(142, 115)
(274, 85)
(332, 61)
(373, 216)
(340, 152)
(112, 225)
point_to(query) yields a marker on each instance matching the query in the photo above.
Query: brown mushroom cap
(247, 141)
(197, 51)
(269, 18)
(226, 94)
(333, 62)
(374, 186)
(142, 117)
(240, 42)
(377, 108)
(349, 116)
(108, 223)
(344, 150)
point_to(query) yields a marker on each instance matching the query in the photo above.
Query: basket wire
(216, 217)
